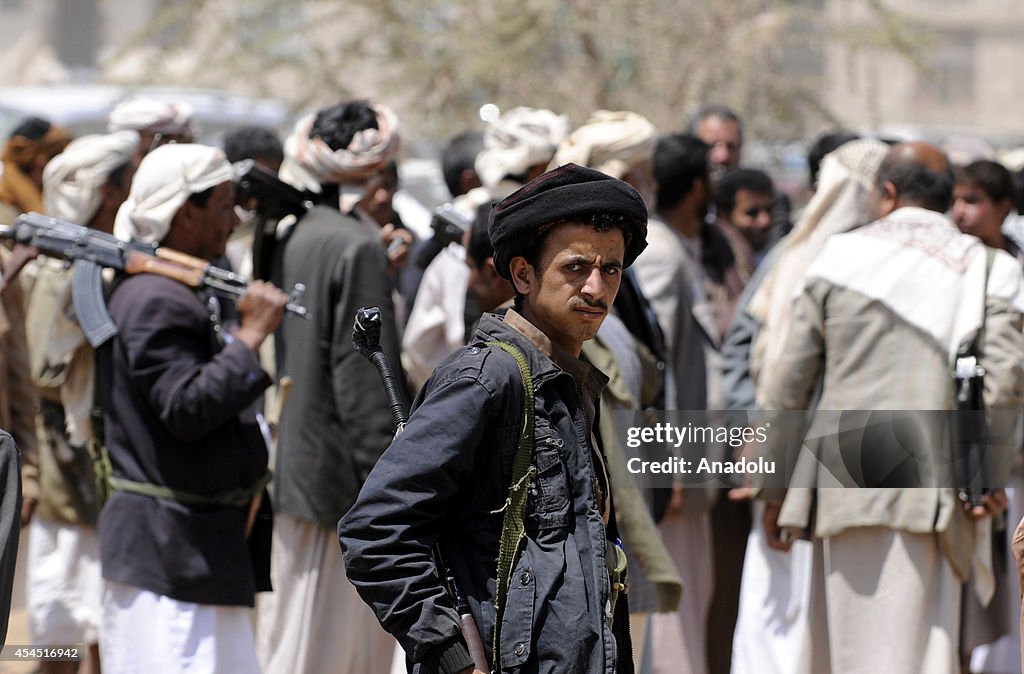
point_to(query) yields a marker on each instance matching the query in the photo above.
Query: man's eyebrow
(583, 259)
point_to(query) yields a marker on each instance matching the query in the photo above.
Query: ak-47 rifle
(88, 251)
(271, 199)
(366, 340)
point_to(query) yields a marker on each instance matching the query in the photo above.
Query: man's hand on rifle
(261, 310)
(994, 503)
(13, 263)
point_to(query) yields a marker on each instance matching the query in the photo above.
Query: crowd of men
(186, 483)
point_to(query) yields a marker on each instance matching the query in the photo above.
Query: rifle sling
(512, 528)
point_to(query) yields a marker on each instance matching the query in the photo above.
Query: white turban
(147, 114)
(310, 162)
(611, 142)
(73, 180)
(164, 181)
(517, 140)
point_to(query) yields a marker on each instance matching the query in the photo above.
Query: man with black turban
(502, 460)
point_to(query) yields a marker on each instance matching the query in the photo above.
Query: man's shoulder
(324, 231)
(158, 295)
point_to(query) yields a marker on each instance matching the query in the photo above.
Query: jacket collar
(547, 360)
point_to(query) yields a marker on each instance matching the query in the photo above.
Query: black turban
(569, 193)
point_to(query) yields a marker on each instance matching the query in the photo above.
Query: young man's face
(752, 215)
(975, 213)
(574, 284)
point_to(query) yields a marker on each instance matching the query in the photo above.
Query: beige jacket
(866, 356)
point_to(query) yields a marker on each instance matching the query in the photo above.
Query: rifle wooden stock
(140, 263)
(474, 644)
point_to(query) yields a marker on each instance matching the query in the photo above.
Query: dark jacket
(10, 523)
(179, 411)
(446, 476)
(337, 421)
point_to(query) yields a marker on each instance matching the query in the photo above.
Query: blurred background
(945, 70)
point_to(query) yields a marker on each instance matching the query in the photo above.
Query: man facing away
(562, 240)
(878, 322)
(336, 422)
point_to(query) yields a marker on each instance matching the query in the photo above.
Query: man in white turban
(84, 184)
(157, 122)
(184, 536)
(517, 148)
(337, 421)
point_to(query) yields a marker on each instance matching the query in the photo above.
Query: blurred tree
(438, 62)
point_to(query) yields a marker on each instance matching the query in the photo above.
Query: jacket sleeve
(359, 398)
(386, 537)
(790, 383)
(167, 343)
(10, 523)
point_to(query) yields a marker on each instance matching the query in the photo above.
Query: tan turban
(152, 116)
(611, 142)
(164, 181)
(310, 162)
(72, 181)
(518, 139)
(16, 188)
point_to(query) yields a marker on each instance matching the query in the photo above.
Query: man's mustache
(593, 304)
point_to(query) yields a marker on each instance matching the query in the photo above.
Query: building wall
(971, 82)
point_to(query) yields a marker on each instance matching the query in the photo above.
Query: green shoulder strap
(512, 528)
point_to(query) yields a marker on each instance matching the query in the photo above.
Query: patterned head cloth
(164, 181)
(72, 181)
(147, 115)
(518, 139)
(611, 142)
(310, 162)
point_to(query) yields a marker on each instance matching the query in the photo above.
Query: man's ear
(522, 274)
(889, 199)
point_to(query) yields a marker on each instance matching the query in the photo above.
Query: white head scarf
(611, 142)
(841, 203)
(72, 180)
(310, 162)
(518, 139)
(164, 181)
(148, 114)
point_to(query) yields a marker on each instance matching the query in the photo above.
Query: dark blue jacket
(444, 478)
(179, 412)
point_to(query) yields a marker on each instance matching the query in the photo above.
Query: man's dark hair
(915, 182)
(253, 142)
(824, 144)
(991, 177)
(679, 160)
(32, 128)
(118, 175)
(735, 180)
(1018, 181)
(338, 124)
(200, 199)
(715, 110)
(480, 247)
(459, 154)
